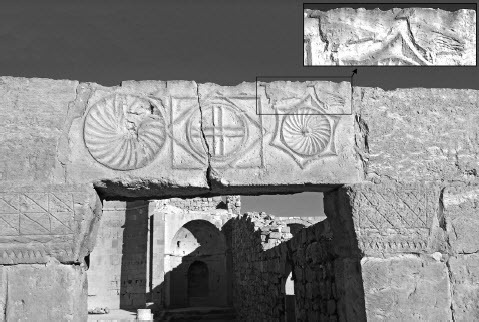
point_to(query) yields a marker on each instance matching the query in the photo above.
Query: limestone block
(135, 134)
(295, 132)
(33, 112)
(418, 134)
(406, 288)
(148, 134)
(143, 136)
(41, 222)
(409, 36)
(461, 214)
(52, 292)
(383, 218)
(465, 286)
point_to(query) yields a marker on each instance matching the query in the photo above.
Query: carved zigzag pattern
(29, 254)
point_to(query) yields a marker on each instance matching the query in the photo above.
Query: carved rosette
(305, 132)
(124, 132)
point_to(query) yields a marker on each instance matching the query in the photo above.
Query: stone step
(199, 314)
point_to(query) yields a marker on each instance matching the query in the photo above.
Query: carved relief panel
(124, 132)
(408, 36)
(47, 221)
(304, 132)
(160, 130)
(222, 127)
(395, 220)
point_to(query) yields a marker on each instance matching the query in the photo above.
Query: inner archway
(290, 300)
(197, 263)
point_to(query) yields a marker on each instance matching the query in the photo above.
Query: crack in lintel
(451, 290)
(203, 136)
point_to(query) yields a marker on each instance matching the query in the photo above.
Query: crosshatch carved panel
(304, 131)
(124, 132)
(31, 214)
(390, 220)
(42, 221)
(233, 134)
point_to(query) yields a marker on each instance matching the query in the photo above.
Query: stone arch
(294, 228)
(198, 237)
(198, 252)
(289, 293)
(295, 224)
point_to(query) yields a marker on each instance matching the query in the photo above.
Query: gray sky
(306, 204)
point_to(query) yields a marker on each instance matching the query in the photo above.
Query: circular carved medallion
(224, 129)
(124, 132)
(305, 133)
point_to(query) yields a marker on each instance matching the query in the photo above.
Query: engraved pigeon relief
(411, 36)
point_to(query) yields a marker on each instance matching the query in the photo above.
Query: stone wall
(138, 258)
(258, 273)
(413, 243)
(117, 273)
(43, 292)
(399, 170)
(409, 36)
(314, 274)
(46, 232)
(186, 231)
(265, 253)
(197, 204)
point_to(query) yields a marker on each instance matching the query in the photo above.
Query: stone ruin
(86, 168)
(146, 252)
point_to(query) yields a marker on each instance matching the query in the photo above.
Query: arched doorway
(289, 299)
(295, 228)
(198, 283)
(198, 275)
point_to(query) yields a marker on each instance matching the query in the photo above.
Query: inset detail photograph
(412, 36)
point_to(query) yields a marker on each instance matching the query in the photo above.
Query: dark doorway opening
(198, 283)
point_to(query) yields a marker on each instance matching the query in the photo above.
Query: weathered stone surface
(406, 287)
(299, 271)
(183, 134)
(116, 274)
(410, 36)
(145, 249)
(291, 135)
(384, 218)
(52, 292)
(461, 215)
(418, 134)
(397, 154)
(32, 116)
(41, 222)
(464, 270)
(135, 134)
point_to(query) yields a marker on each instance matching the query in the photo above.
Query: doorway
(198, 284)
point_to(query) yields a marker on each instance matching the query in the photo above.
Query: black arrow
(352, 76)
